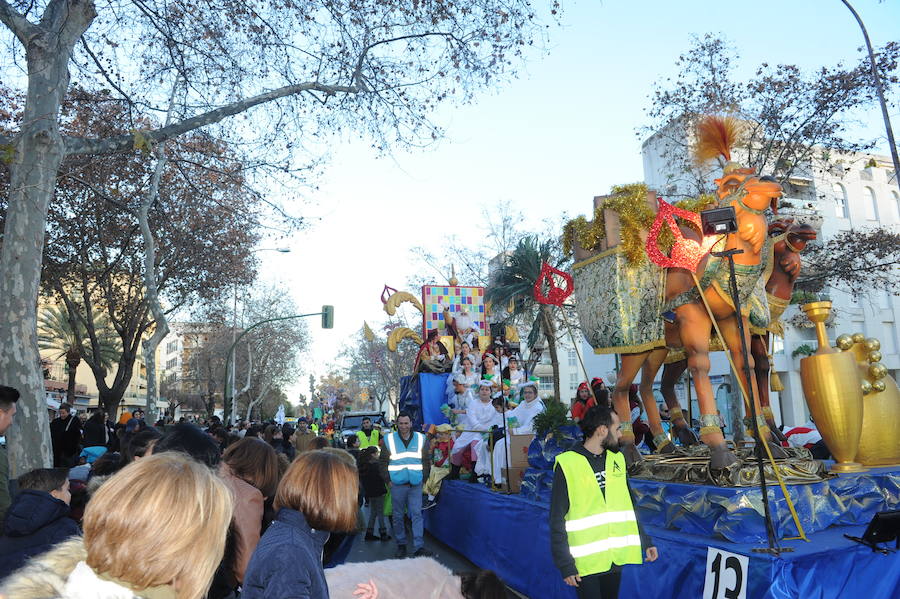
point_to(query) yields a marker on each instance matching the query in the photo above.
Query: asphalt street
(371, 551)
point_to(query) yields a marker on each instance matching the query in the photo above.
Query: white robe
(480, 416)
(524, 413)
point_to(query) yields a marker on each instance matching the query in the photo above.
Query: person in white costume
(480, 416)
(520, 421)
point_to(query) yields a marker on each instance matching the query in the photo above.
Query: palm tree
(513, 284)
(55, 333)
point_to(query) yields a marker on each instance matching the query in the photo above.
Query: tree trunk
(151, 287)
(111, 397)
(39, 150)
(72, 362)
(550, 334)
(256, 401)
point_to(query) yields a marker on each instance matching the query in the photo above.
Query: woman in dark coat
(317, 495)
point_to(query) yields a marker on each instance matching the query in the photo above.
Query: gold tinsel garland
(635, 215)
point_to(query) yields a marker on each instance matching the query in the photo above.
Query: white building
(858, 191)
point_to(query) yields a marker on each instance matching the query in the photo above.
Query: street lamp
(326, 310)
(280, 250)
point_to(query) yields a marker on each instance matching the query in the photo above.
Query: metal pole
(247, 330)
(770, 528)
(880, 91)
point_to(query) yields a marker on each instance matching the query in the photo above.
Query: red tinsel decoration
(556, 295)
(686, 253)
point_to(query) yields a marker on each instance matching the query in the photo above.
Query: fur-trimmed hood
(62, 573)
(44, 577)
(421, 577)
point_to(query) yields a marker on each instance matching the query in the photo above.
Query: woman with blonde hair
(316, 496)
(156, 529)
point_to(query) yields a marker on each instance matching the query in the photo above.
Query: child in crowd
(374, 490)
(37, 519)
(440, 464)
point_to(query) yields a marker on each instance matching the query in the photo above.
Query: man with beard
(593, 527)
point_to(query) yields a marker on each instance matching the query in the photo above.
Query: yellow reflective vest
(367, 441)
(601, 531)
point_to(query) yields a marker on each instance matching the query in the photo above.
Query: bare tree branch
(23, 29)
(122, 143)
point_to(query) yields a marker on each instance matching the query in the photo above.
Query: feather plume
(716, 136)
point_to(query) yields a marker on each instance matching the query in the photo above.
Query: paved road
(370, 551)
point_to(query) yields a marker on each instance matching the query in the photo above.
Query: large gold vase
(879, 444)
(833, 393)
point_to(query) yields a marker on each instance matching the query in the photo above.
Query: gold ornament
(877, 371)
(878, 386)
(844, 342)
(397, 298)
(858, 337)
(866, 387)
(872, 344)
(874, 356)
(399, 334)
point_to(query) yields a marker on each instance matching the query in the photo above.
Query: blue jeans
(408, 497)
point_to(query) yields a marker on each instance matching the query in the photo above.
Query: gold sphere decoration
(877, 371)
(858, 337)
(866, 387)
(874, 356)
(872, 344)
(878, 386)
(844, 342)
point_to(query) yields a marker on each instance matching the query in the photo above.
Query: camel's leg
(694, 326)
(631, 365)
(730, 331)
(670, 375)
(648, 373)
(759, 349)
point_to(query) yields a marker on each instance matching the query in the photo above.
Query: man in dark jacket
(65, 432)
(37, 519)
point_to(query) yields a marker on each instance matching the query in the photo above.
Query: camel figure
(791, 239)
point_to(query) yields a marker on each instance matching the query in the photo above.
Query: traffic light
(327, 317)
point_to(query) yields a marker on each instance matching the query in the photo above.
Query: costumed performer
(583, 401)
(433, 356)
(460, 326)
(469, 374)
(465, 350)
(440, 463)
(593, 526)
(480, 416)
(519, 421)
(512, 372)
(489, 366)
(455, 409)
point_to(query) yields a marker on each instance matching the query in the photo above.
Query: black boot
(473, 478)
(370, 536)
(384, 535)
(454, 472)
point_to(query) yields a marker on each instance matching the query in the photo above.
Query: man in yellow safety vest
(593, 527)
(367, 436)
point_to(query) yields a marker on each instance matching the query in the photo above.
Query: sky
(561, 133)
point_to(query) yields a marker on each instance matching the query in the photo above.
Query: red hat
(596, 381)
(584, 385)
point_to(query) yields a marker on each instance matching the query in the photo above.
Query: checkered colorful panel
(435, 297)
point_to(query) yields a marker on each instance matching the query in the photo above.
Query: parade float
(662, 285)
